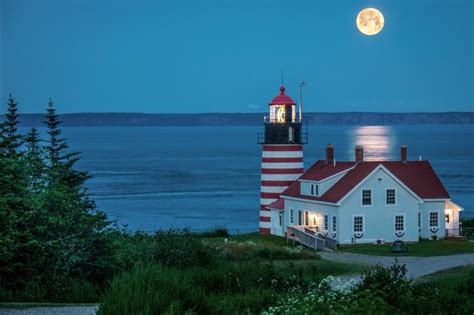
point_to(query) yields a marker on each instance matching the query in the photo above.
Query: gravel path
(63, 310)
(416, 266)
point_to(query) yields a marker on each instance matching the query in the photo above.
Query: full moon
(370, 21)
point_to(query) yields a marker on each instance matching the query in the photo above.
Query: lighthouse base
(281, 166)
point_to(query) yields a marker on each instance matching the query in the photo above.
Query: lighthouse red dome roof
(282, 98)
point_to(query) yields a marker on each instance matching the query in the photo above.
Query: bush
(387, 283)
(181, 248)
(218, 232)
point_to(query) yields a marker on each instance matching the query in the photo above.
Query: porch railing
(310, 238)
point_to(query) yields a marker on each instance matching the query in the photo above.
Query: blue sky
(226, 56)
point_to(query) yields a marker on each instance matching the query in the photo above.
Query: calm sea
(205, 177)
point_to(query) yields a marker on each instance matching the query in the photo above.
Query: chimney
(404, 153)
(329, 153)
(359, 154)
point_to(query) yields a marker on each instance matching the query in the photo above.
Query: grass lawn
(450, 277)
(421, 248)
(283, 253)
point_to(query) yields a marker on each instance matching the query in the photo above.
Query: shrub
(181, 248)
(218, 232)
(387, 283)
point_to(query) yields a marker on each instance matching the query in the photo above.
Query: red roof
(418, 176)
(277, 205)
(321, 170)
(282, 98)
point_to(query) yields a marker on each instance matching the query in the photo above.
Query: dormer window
(314, 190)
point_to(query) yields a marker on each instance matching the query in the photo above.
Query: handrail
(311, 238)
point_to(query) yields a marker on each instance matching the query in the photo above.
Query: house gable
(379, 216)
(376, 172)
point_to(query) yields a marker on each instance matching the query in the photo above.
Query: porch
(453, 227)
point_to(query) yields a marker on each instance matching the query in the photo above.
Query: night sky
(227, 56)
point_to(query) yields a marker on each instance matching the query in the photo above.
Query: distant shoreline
(247, 119)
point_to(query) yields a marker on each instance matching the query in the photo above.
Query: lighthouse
(282, 156)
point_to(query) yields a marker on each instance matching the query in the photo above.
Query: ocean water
(205, 177)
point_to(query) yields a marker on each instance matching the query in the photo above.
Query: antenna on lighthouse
(301, 100)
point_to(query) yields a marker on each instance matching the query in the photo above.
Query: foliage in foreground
(383, 290)
(243, 287)
(53, 241)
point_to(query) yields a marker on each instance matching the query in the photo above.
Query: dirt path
(63, 310)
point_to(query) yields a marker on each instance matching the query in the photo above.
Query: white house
(367, 201)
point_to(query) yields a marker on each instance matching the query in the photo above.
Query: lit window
(447, 218)
(433, 219)
(366, 197)
(334, 224)
(390, 198)
(326, 222)
(358, 224)
(399, 223)
(291, 216)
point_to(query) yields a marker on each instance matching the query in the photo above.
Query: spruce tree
(77, 232)
(16, 239)
(10, 137)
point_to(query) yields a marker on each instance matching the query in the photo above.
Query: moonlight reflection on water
(378, 142)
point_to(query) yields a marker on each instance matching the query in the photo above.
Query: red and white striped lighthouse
(282, 153)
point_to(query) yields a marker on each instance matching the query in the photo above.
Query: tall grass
(234, 288)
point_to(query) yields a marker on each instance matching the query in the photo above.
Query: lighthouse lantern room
(282, 156)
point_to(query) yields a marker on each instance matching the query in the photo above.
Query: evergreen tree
(78, 228)
(11, 140)
(57, 145)
(16, 239)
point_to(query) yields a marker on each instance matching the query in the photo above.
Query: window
(390, 197)
(300, 217)
(358, 224)
(326, 222)
(306, 218)
(281, 219)
(334, 224)
(447, 218)
(433, 219)
(419, 219)
(399, 223)
(366, 197)
(314, 190)
(314, 221)
(291, 216)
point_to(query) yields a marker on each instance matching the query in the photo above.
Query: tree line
(52, 236)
